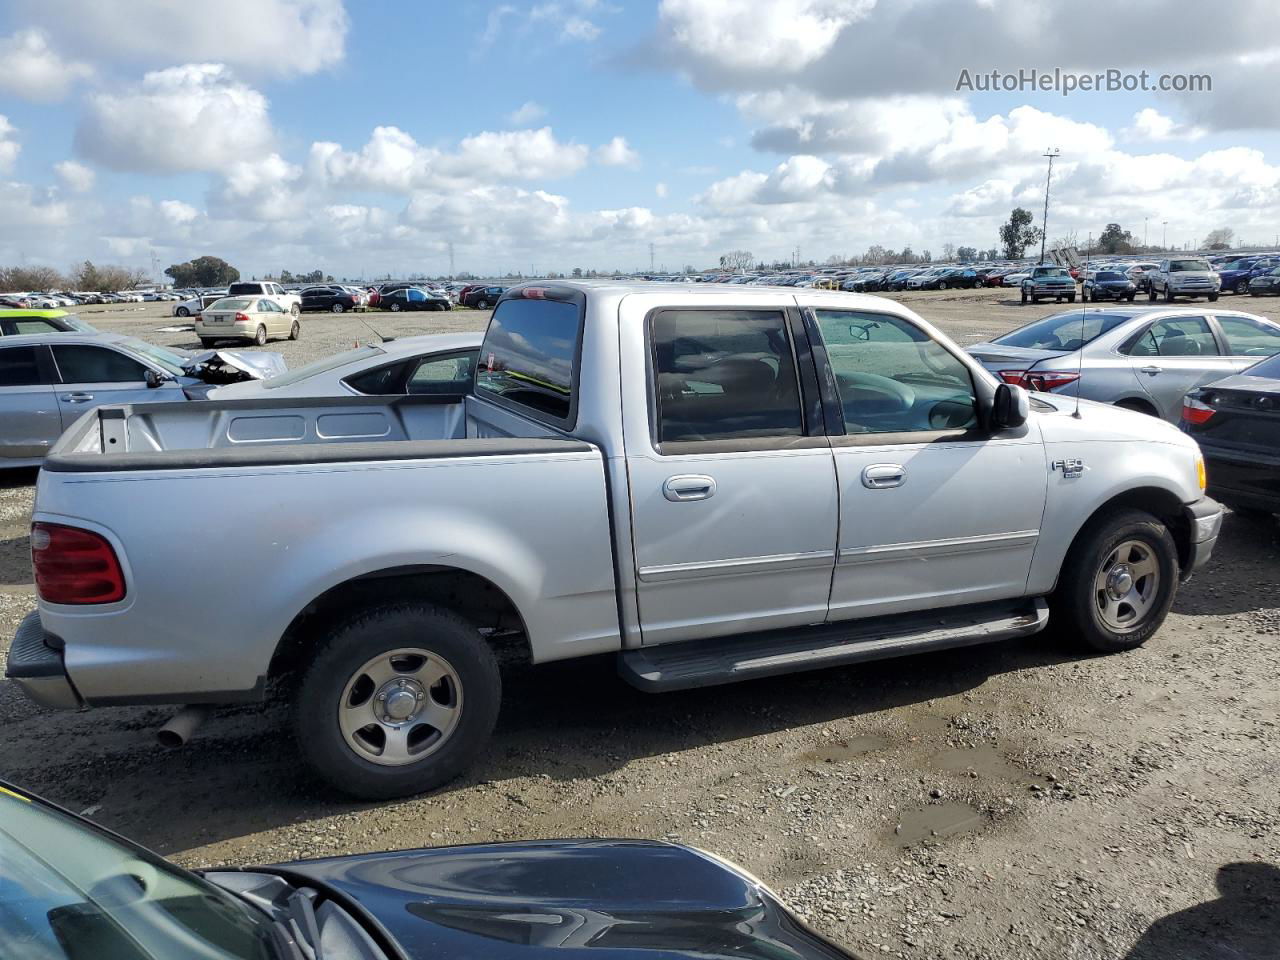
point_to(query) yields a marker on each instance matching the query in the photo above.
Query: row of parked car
(55, 300)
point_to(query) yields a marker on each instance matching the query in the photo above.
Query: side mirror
(155, 379)
(1011, 408)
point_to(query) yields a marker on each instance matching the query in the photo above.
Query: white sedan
(430, 365)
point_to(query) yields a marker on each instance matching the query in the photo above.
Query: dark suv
(482, 297)
(333, 299)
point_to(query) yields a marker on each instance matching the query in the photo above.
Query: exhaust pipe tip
(182, 726)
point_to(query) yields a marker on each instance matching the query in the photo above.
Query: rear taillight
(1196, 412)
(1041, 381)
(242, 318)
(74, 566)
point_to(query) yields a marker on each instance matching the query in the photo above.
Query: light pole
(1052, 154)
(1144, 230)
(1164, 234)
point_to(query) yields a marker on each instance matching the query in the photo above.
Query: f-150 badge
(1070, 468)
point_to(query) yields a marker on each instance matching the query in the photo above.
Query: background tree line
(83, 276)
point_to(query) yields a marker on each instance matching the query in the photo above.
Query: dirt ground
(1018, 800)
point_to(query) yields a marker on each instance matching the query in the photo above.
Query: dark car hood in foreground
(596, 897)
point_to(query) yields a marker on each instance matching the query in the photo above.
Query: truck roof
(756, 292)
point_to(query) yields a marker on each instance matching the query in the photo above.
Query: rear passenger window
(529, 356)
(892, 377)
(1249, 338)
(1176, 337)
(18, 367)
(79, 364)
(724, 375)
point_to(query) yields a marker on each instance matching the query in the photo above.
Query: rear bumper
(1248, 479)
(35, 665)
(1204, 520)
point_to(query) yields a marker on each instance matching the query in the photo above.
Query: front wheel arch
(1162, 504)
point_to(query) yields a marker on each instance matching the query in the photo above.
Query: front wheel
(1024, 296)
(1242, 287)
(1071, 298)
(260, 338)
(1118, 582)
(182, 312)
(1130, 297)
(398, 700)
(1213, 298)
(337, 308)
(208, 342)
(1151, 294)
(395, 308)
(482, 304)
(1168, 294)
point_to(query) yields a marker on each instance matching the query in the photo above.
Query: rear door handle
(77, 397)
(1151, 370)
(881, 476)
(688, 487)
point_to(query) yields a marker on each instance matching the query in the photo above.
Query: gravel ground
(1017, 800)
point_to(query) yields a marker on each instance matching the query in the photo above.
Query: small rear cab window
(529, 357)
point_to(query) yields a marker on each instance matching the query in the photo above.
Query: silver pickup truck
(713, 484)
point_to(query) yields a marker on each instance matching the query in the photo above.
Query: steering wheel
(871, 393)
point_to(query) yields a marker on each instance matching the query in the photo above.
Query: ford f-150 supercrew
(712, 484)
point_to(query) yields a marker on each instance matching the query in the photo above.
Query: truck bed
(236, 515)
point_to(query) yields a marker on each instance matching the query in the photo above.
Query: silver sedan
(1141, 358)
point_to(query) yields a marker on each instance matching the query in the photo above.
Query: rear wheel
(337, 308)
(1242, 287)
(1117, 583)
(208, 341)
(260, 338)
(182, 312)
(395, 308)
(1151, 294)
(482, 304)
(398, 700)
(295, 331)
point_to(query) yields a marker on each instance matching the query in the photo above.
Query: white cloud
(515, 155)
(1151, 124)
(736, 39)
(76, 177)
(194, 117)
(257, 37)
(22, 205)
(527, 113)
(660, 189)
(617, 153)
(31, 70)
(9, 146)
(175, 211)
(570, 20)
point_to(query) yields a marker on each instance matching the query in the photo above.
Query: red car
(374, 296)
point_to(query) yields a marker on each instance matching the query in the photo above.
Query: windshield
(1111, 275)
(171, 362)
(1062, 331)
(365, 351)
(1189, 266)
(68, 892)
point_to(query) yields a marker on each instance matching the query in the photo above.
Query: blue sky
(365, 138)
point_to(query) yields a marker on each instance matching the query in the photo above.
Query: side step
(706, 663)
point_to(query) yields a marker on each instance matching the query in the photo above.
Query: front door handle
(1151, 370)
(77, 397)
(688, 487)
(881, 476)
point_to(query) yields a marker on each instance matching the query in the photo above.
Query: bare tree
(1219, 239)
(948, 251)
(24, 279)
(738, 260)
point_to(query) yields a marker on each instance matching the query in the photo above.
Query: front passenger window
(892, 377)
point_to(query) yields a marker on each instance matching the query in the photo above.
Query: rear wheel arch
(1138, 405)
(470, 595)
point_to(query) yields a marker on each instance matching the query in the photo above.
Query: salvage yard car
(72, 890)
(1048, 280)
(255, 319)
(48, 381)
(1135, 357)
(15, 323)
(1236, 421)
(1183, 277)
(715, 483)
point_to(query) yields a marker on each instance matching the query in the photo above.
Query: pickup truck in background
(1183, 277)
(711, 484)
(291, 302)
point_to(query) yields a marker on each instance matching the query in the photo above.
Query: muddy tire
(398, 700)
(1117, 583)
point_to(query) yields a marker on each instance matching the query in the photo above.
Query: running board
(706, 663)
